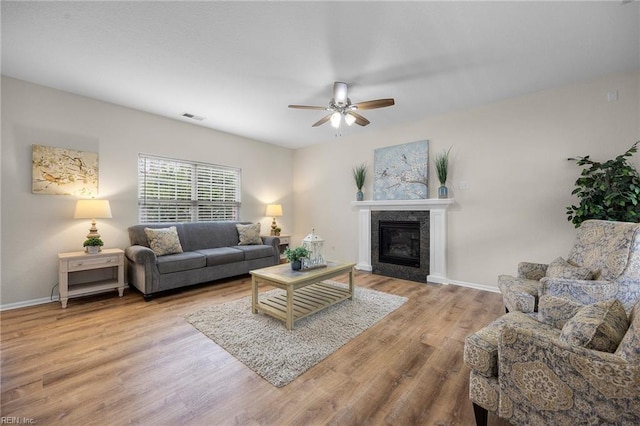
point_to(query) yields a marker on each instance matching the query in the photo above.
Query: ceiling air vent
(192, 116)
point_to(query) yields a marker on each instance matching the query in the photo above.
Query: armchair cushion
(519, 294)
(600, 326)
(560, 268)
(629, 347)
(556, 311)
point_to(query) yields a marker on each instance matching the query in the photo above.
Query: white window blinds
(172, 190)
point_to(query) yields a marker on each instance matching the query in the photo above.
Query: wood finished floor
(113, 361)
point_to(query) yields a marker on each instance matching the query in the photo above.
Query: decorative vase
(443, 192)
(93, 249)
(296, 265)
(359, 196)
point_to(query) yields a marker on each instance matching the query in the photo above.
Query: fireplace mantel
(437, 229)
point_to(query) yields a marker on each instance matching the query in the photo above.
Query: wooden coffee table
(305, 292)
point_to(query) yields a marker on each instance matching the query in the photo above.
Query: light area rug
(264, 344)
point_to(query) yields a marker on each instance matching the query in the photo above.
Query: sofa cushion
(249, 234)
(560, 268)
(599, 326)
(556, 311)
(180, 262)
(256, 251)
(163, 241)
(629, 347)
(221, 255)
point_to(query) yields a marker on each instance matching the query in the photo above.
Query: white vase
(93, 249)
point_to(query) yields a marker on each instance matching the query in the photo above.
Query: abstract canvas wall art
(61, 171)
(400, 172)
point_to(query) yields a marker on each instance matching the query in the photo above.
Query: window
(185, 191)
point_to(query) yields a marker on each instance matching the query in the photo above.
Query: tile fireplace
(431, 244)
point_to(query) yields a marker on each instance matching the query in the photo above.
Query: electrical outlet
(464, 186)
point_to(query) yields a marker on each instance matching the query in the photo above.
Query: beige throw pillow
(163, 241)
(560, 268)
(600, 326)
(249, 234)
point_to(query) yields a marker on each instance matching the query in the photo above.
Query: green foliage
(359, 175)
(608, 191)
(441, 161)
(297, 253)
(92, 242)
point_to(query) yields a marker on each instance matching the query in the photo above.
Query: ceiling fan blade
(360, 120)
(340, 92)
(378, 103)
(307, 107)
(322, 120)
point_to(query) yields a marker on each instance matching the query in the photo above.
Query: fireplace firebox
(399, 243)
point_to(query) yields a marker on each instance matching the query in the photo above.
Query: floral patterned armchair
(604, 263)
(567, 364)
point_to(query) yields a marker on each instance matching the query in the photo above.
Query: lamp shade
(92, 209)
(274, 210)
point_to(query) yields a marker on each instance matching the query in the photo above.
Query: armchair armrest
(544, 380)
(585, 292)
(532, 271)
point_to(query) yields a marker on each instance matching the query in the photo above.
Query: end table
(72, 282)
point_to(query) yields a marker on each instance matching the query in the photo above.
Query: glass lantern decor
(315, 245)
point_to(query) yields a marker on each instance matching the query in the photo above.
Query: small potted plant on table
(295, 256)
(93, 245)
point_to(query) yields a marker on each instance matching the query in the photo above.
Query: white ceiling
(239, 64)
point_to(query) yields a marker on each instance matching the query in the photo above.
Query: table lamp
(92, 209)
(274, 210)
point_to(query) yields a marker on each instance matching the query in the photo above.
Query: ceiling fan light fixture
(349, 119)
(335, 119)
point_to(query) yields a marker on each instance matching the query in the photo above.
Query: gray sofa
(210, 252)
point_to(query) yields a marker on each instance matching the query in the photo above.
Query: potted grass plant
(441, 161)
(92, 245)
(295, 256)
(360, 175)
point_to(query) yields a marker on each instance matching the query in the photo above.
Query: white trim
(42, 301)
(437, 230)
(27, 303)
(482, 287)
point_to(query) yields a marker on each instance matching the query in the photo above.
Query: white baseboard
(474, 285)
(34, 302)
(27, 303)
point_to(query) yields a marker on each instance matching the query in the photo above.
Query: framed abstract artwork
(400, 172)
(61, 171)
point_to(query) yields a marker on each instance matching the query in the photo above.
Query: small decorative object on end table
(72, 277)
(274, 210)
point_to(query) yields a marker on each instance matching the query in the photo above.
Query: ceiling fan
(341, 107)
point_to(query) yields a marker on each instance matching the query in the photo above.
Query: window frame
(196, 192)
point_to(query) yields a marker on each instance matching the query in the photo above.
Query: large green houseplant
(609, 190)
